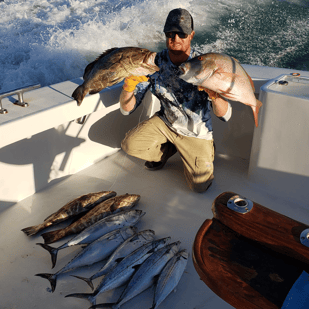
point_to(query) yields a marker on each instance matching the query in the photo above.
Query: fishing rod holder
(240, 204)
(20, 93)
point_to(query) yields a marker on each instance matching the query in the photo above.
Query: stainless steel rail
(20, 93)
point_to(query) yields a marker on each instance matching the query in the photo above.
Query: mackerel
(71, 210)
(100, 211)
(123, 271)
(146, 274)
(131, 244)
(124, 218)
(97, 251)
(169, 277)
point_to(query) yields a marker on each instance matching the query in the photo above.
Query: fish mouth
(149, 61)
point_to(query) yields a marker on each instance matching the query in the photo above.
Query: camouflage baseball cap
(179, 20)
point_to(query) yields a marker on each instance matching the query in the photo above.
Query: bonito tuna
(131, 244)
(70, 210)
(224, 75)
(112, 67)
(99, 212)
(169, 277)
(145, 275)
(98, 250)
(124, 270)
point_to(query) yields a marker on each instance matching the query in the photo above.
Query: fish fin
(53, 252)
(106, 305)
(255, 110)
(90, 296)
(79, 94)
(87, 280)
(105, 53)
(52, 236)
(90, 66)
(32, 230)
(51, 278)
(251, 81)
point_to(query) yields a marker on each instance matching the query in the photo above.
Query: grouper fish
(71, 210)
(224, 75)
(125, 201)
(112, 67)
(95, 252)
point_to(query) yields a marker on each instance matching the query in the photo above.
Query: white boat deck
(171, 210)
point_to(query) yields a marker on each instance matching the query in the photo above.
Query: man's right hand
(131, 82)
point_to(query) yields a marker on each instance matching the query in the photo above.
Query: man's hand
(219, 105)
(212, 95)
(131, 82)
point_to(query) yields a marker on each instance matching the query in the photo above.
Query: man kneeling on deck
(183, 123)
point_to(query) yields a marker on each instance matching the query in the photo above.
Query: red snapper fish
(112, 67)
(224, 75)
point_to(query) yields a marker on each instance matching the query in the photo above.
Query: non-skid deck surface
(171, 210)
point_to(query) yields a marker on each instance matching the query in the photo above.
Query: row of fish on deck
(105, 225)
(213, 71)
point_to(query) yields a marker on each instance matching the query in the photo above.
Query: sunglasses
(171, 35)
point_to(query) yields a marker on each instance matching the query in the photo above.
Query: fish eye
(200, 58)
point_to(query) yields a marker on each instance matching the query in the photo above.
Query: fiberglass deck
(171, 210)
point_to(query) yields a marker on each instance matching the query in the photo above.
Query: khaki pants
(152, 140)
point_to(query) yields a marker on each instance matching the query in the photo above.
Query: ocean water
(50, 41)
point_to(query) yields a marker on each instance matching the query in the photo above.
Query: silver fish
(122, 219)
(100, 211)
(121, 252)
(145, 275)
(124, 270)
(70, 210)
(112, 67)
(97, 251)
(169, 277)
(224, 75)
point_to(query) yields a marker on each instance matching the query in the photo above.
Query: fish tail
(32, 230)
(51, 278)
(52, 236)
(78, 94)
(90, 296)
(53, 252)
(87, 280)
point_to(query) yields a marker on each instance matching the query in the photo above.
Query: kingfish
(121, 252)
(98, 250)
(112, 67)
(70, 210)
(123, 271)
(110, 223)
(169, 277)
(224, 75)
(100, 211)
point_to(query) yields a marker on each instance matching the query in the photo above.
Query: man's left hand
(212, 95)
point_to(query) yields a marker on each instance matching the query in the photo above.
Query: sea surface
(50, 41)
